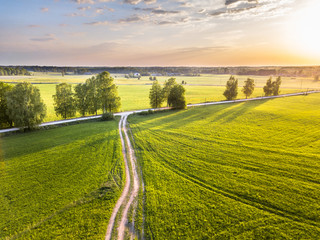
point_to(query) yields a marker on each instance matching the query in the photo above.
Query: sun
(304, 29)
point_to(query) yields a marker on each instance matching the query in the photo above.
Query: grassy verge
(236, 171)
(60, 183)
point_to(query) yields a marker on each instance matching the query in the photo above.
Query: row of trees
(271, 87)
(21, 105)
(172, 93)
(97, 93)
(13, 71)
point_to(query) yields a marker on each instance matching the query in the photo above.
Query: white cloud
(84, 1)
(44, 9)
(98, 23)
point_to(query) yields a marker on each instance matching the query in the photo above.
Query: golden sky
(160, 32)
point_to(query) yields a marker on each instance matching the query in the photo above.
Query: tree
(231, 91)
(25, 106)
(5, 121)
(168, 85)
(108, 93)
(276, 86)
(177, 98)
(81, 98)
(248, 87)
(268, 88)
(272, 87)
(64, 103)
(156, 95)
(94, 101)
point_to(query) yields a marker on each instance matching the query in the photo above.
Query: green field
(60, 183)
(134, 97)
(134, 93)
(236, 171)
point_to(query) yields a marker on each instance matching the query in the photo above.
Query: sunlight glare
(304, 29)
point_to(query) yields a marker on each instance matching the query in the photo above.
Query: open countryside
(159, 120)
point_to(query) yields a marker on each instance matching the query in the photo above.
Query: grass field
(237, 171)
(134, 97)
(135, 93)
(60, 183)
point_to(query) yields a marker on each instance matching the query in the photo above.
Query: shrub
(107, 116)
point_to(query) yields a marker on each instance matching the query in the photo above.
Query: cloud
(105, 1)
(98, 23)
(99, 10)
(132, 19)
(75, 15)
(150, 1)
(84, 8)
(135, 2)
(157, 11)
(34, 26)
(44, 9)
(63, 25)
(241, 9)
(83, 1)
(42, 39)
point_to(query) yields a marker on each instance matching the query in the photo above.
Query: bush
(146, 112)
(107, 116)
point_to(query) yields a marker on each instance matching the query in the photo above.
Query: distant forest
(13, 71)
(293, 71)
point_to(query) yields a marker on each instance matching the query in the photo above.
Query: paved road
(143, 110)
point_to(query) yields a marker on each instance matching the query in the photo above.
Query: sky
(159, 32)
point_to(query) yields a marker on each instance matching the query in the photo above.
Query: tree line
(22, 106)
(172, 93)
(97, 93)
(271, 87)
(13, 71)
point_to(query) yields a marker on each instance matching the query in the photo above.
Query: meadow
(134, 93)
(60, 183)
(233, 171)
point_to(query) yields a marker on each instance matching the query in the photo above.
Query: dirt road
(131, 188)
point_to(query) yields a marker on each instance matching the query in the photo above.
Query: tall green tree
(108, 93)
(156, 95)
(268, 88)
(248, 87)
(80, 96)
(276, 86)
(94, 100)
(231, 91)
(25, 106)
(5, 121)
(64, 103)
(168, 85)
(177, 98)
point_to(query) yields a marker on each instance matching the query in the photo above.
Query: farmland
(236, 171)
(60, 183)
(134, 93)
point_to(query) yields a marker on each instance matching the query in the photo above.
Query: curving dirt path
(131, 188)
(136, 182)
(126, 187)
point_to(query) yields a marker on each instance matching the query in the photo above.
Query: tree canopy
(248, 87)
(25, 106)
(231, 91)
(168, 85)
(5, 120)
(177, 98)
(64, 103)
(156, 95)
(272, 87)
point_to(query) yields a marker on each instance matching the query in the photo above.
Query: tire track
(131, 188)
(126, 187)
